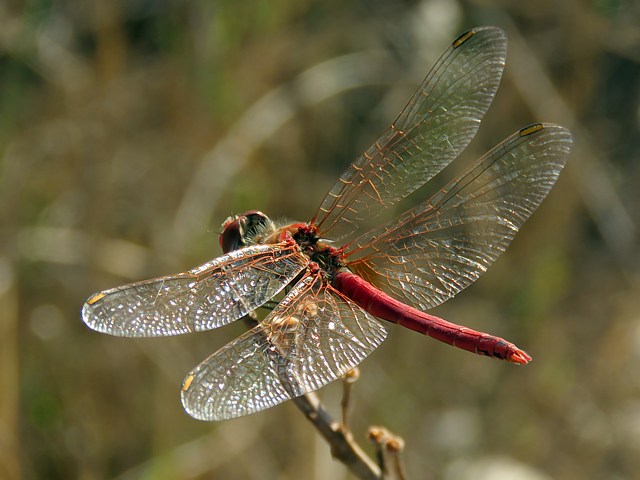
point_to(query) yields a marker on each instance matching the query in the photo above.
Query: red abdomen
(381, 305)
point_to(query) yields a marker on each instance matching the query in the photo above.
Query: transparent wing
(209, 296)
(436, 125)
(443, 245)
(314, 336)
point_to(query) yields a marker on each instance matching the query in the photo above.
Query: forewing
(443, 245)
(314, 336)
(436, 125)
(209, 296)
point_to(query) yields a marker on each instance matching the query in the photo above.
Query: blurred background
(130, 130)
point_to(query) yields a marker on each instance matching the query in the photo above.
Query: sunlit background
(131, 129)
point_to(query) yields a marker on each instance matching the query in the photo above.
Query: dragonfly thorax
(326, 257)
(254, 227)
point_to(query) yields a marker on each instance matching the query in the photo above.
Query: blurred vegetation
(131, 129)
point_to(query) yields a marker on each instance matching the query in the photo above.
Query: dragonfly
(341, 275)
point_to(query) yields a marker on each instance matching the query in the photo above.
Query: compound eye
(256, 220)
(240, 231)
(231, 236)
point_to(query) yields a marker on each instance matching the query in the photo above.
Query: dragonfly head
(240, 230)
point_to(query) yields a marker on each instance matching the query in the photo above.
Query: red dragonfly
(335, 291)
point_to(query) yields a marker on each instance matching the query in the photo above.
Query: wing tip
(492, 35)
(560, 136)
(87, 308)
